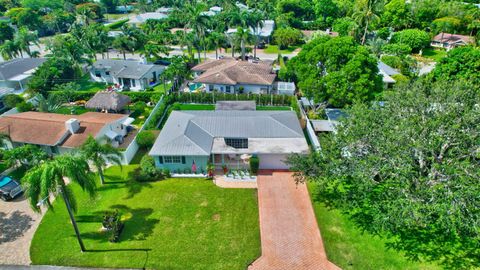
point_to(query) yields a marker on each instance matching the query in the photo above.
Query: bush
(148, 172)
(24, 106)
(117, 24)
(414, 38)
(286, 37)
(11, 100)
(397, 49)
(145, 139)
(254, 164)
(112, 222)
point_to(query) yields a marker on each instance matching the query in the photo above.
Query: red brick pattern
(289, 231)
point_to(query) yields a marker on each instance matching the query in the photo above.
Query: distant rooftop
(132, 69)
(11, 69)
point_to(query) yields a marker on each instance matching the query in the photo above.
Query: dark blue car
(9, 188)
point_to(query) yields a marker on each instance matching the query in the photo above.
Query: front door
(127, 82)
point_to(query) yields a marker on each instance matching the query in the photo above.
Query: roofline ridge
(270, 115)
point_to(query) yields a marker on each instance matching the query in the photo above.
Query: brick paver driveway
(289, 231)
(18, 223)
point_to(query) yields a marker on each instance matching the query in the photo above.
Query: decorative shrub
(254, 164)
(145, 139)
(11, 100)
(24, 106)
(112, 222)
(148, 172)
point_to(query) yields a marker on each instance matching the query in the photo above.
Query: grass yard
(86, 85)
(140, 119)
(170, 224)
(434, 54)
(162, 88)
(349, 248)
(274, 49)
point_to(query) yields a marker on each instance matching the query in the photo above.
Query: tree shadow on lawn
(133, 187)
(138, 225)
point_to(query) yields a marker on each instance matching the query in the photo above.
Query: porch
(231, 161)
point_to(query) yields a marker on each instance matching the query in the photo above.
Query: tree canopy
(409, 168)
(336, 70)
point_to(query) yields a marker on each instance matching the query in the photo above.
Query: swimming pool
(194, 86)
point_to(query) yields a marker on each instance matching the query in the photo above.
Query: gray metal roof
(192, 132)
(124, 68)
(387, 69)
(19, 66)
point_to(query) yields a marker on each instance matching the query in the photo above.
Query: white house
(58, 133)
(130, 74)
(14, 74)
(234, 76)
(450, 41)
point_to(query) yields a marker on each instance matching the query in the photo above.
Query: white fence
(132, 149)
(310, 131)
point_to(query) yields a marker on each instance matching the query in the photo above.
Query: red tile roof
(49, 128)
(453, 38)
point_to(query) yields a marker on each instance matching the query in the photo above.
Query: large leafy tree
(336, 70)
(99, 154)
(410, 169)
(6, 32)
(414, 38)
(196, 20)
(26, 155)
(54, 71)
(48, 179)
(461, 63)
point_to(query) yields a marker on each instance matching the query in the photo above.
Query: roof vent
(72, 125)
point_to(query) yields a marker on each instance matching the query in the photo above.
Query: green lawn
(140, 119)
(273, 108)
(434, 54)
(162, 88)
(116, 16)
(76, 110)
(86, 85)
(170, 224)
(274, 49)
(349, 248)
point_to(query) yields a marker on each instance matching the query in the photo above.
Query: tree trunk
(102, 177)
(204, 48)
(233, 51)
(365, 33)
(72, 218)
(216, 52)
(124, 57)
(243, 50)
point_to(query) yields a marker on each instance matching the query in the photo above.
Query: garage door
(273, 162)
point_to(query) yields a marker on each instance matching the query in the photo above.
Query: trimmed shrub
(11, 100)
(414, 38)
(145, 139)
(254, 164)
(24, 106)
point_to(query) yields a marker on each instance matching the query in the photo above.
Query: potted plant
(210, 170)
(225, 169)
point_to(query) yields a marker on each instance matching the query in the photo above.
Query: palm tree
(48, 178)
(217, 39)
(24, 38)
(123, 44)
(198, 22)
(100, 154)
(244, 36)
(256, 23)
(366, 13)
(9, 50)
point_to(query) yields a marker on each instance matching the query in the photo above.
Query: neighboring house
(14, 74)
(264, 30)
(450, 41)
(212, 11)
(387, 72)
(59, 133)
(138, 19)
(108, 101)
(165, 10)
(233, 76)
(130, 74)
(225, 137)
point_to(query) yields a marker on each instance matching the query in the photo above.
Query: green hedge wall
(135, 96)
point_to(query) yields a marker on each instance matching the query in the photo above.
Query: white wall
(273, 161)
(247, 88)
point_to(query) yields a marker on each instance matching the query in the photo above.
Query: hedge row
(211, 98)
(134, 96)
(117, 24)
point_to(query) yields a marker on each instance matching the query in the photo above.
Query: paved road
(288, 227)
(18, 223)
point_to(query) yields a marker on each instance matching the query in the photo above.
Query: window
(98, 74)
(237, 142)
(107, 73)
(227, 89)
(133, 82)
(173, 159)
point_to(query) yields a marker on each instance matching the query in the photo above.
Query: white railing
(133, 147)
(310, 131)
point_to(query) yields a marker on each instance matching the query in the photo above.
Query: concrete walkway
(288, 227)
